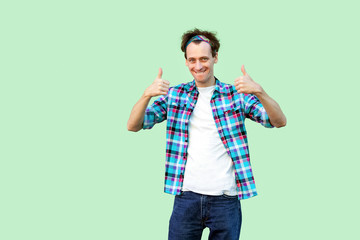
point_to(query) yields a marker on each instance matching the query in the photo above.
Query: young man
(207, 158)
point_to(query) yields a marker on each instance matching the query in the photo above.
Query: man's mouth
(199, 72)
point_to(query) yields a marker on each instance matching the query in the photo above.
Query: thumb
(160, 73)
(243, 70)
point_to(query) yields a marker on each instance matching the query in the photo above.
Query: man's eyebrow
(199, 57)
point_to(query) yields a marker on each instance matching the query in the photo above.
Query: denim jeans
(193, 212)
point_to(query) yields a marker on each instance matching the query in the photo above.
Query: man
(207, 159)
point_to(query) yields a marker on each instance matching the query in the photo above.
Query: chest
(223, 111)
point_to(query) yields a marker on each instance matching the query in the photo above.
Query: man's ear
(186, 62)
(216, 57)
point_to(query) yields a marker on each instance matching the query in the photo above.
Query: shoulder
(180, 87)
(230, 94)
(179, 91)
(228, 90)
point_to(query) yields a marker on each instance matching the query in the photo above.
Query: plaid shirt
(229, 110)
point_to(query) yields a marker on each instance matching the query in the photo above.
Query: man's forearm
(137, 114)
(276, 116)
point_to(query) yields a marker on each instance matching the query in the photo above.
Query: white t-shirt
(209, 169)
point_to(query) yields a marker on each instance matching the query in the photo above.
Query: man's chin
(199, 78)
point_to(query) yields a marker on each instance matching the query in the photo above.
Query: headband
(198, 38)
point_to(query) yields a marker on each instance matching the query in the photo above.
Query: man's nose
(198, 65)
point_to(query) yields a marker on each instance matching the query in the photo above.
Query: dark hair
(214, 42)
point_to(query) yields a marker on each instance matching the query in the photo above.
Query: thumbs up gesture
(245, 84)
(158, 87)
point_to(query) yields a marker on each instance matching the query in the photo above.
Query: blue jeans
(193, 212)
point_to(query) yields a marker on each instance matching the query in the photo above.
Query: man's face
(201, 63)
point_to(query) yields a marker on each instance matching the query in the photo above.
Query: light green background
(72, 70)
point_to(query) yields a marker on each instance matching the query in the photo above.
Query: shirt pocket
(177, 115)
(177, 108)
(228, 110)
(232, 119)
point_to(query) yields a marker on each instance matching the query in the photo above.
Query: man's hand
(245, 84)
(158, 87)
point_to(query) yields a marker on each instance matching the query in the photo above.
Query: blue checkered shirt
(229, 108)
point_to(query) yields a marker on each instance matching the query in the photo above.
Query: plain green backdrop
(72, 70)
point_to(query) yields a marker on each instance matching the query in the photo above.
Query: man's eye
(204, 59)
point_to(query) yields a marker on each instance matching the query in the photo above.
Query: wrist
(146, 95)
(260, 92)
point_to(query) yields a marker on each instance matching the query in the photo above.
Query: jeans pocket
(230, 197)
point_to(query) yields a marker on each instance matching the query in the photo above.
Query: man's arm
(158, 87)
(245, 84)
(276, 116)
(137, 114)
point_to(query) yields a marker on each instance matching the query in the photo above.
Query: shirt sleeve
(156, 112)
(256, 111)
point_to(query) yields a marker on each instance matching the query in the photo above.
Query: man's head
(213, 41)
(201, 53)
